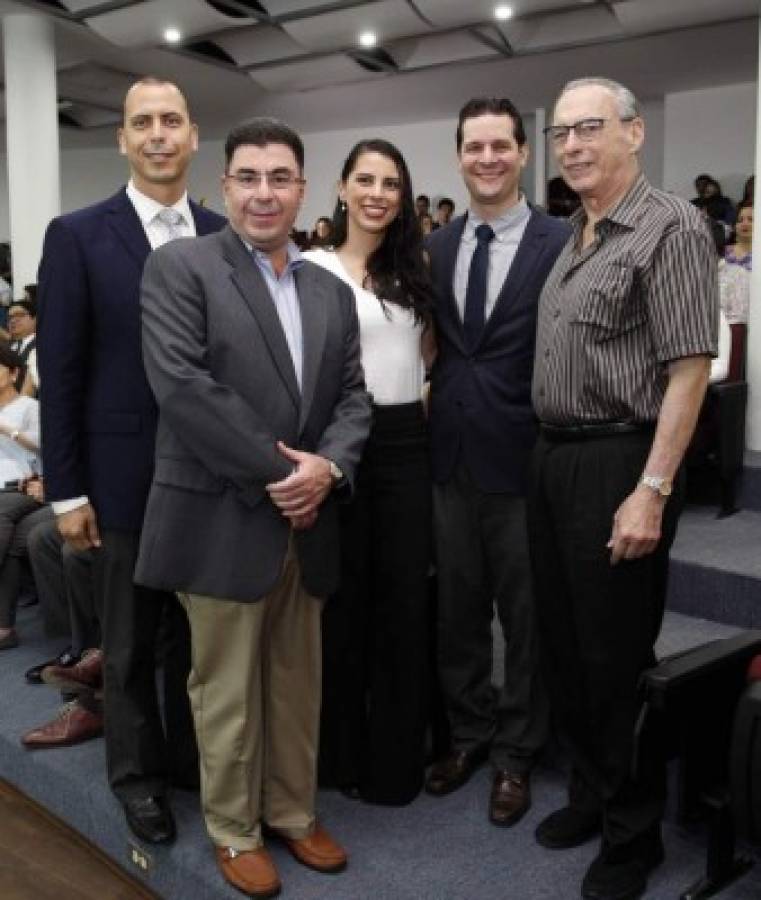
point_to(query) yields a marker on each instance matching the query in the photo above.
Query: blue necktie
(475, 296)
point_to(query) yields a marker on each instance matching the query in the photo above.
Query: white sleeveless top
(389, 340)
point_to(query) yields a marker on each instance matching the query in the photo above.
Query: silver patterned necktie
(171, 221)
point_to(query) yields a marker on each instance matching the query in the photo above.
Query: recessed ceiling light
(368, 39)
(503, 13)
(172, 35)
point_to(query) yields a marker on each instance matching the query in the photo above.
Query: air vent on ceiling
(374, 60)
(211, 50)
(234, 10)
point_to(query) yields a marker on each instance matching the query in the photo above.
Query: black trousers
(142, 755)
(19, 514)
(599, 622)
(376, 628)
(483, 561)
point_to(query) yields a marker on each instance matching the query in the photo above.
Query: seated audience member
(740, 252)
(709, 189)
(20, 492)
(734, 282)
(444, 212)
(422, 205)
(322, 236)
(64, 577)
(22, 325)
(562, 200)
(426, 224)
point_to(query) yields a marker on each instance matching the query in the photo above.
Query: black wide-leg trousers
(376, 627)
(598, 622)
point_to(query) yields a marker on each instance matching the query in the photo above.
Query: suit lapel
(255, 293)
(449, 253)
(126, 223)
(526, 256)
(313, 305)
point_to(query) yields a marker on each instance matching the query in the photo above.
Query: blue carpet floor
(434, 849)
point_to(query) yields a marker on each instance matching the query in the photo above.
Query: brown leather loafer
(510, 798)
(251, 871)
(318, 851)
(453, 771)
(73, 725)
(86, 675)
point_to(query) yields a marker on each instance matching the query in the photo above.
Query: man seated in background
(22, 327)
(444, 212)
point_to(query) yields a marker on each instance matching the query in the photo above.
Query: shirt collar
(510, 219)
(294, 257)
(626, 212)
(146, 207)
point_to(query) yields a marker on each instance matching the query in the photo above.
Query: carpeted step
(715, 569)
(750, 486)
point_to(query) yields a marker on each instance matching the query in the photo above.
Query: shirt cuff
(63, 506)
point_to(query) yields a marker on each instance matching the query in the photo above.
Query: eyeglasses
(586, 130)
(278, 181)
(17, 315)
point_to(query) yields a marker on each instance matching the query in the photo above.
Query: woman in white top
(19, 510)
(376, 628)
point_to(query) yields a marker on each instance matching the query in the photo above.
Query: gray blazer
(219, 365)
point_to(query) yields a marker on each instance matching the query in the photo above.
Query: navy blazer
(481, 397)
(98, 412)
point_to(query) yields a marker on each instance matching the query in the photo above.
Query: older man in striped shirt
(627, 324)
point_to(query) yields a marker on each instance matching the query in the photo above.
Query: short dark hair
(29, 305)
(493, 106)
(262, 131)
(445, 201)
(9, 358)
(155, 80)
(31, 292)
(423, 197)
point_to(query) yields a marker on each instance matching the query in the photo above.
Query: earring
(343, 206)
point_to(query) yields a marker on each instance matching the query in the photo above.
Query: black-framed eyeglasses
(585, 130)
(277, 180)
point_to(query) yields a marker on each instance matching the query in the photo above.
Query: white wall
(712, 130)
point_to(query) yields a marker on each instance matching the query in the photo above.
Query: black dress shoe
(454, 770)
(567, 827)
(150, 819)
(510, 798)
(621, 872)
(65, 659)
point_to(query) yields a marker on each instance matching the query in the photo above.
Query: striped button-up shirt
(613, 314)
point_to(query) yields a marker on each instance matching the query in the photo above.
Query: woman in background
(375, 630)
(739, 253)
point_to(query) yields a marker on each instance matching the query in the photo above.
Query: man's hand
(301, 493)
(79, 528)
(636, 525)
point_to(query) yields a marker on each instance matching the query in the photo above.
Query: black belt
(589, 430)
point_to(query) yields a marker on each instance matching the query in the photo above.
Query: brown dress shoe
(318, 851)
(453, 771)
(250, 871)
(73, 725)
(86, 675)
(510, 797)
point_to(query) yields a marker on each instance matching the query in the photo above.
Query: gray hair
(626, 102)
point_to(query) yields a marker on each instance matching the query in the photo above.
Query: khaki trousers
(254, 691)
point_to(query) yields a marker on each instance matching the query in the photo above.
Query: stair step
(750, 483)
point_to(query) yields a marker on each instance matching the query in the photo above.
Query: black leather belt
(589, 430)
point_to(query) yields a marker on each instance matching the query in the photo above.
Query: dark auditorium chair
(701, 711)
(718, 446)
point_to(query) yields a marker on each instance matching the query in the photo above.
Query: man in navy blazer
(99, 425)
(488, 269)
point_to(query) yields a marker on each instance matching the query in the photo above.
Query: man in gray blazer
(253, 355)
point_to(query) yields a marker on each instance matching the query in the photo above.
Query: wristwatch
(658, 483)
(335, 473)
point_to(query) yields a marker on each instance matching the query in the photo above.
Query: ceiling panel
(286, 7)
(561, 29)
(453, 13)
(260, 44)
(457, 46)
(642, 16)
(95, 83)
(315, 73)
(143, 25)
(389, 19)
(78, 6)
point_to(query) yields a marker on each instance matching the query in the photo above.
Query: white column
(31, 125)
(753, 366)
(540, 157)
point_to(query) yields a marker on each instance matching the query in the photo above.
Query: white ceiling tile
(327, 70)
(286, 7)
(143, 26)
(260, 44)
(414, 53)
(389, 19)
(561, 29)
(642, 16)
(453, 13)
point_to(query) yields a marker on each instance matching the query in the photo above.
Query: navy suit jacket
(481, 396)
(98, 412)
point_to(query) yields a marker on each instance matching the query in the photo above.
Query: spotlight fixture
(172, 35)
(368, 39)
(503, 12)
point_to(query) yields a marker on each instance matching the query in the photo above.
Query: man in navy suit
(488, 269)
(99, 424)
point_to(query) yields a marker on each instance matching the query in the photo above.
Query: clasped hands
(299, 495)
(636, 525)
